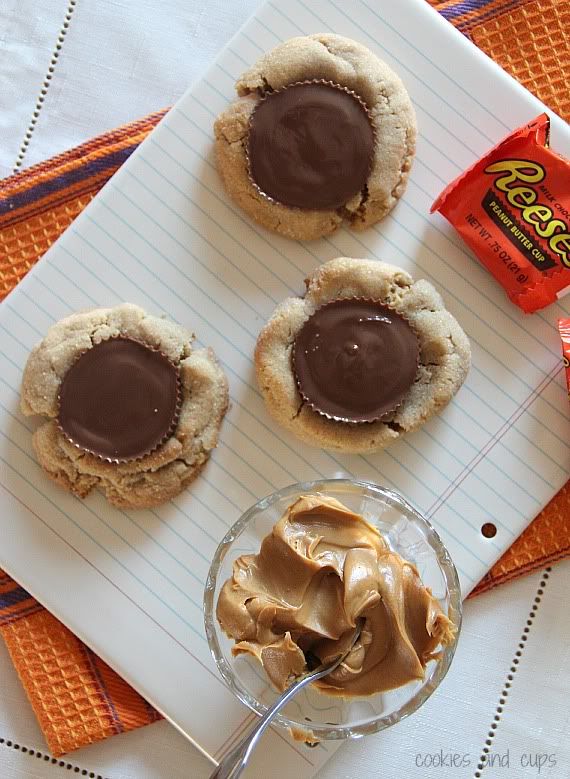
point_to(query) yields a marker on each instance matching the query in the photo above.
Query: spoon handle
(232, 764)
(236, 760)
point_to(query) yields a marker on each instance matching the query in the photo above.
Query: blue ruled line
(139, 261)
(440, 285)
(222, 230)
(417, 104)
(477, 422)
(539, 396)
(184, 540)
(461, 115)
(215, 89)
(25, 321)
(236, 212)
(338, 462)
(97, 543)
(489, 487)
(37, 305)
(37, 278)
(440, 70)
(225, 445)
(474, 287)
(204, 477)
(472, 445)
(166, 551)
(264, 451)
(67, 278)
(120, 511)
(180, 510)
(249, 412)
(440, 96)
(232, 476)
(390, 217)
(187, 251)
(157, 278)
(471, 257)
(238, 56)
(437, 495)
(208, 535)
(23, 422)
(10, 360)
(172, 264)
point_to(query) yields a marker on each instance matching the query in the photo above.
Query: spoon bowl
(235, 761)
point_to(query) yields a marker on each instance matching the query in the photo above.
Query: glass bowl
(407, 533)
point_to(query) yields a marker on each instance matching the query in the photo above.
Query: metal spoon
(235, 761)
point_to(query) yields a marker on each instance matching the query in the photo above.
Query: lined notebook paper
(163, 234)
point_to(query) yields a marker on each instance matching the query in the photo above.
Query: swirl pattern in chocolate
(310, 145)
(119, 400)
(354, 360)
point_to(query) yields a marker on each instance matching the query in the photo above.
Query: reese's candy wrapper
(564, 327)
(512, 207)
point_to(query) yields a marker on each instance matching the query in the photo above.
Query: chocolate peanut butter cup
(119, 400)
(355, 359)
(310, 145)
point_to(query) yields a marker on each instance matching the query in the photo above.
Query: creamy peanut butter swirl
(321, 568)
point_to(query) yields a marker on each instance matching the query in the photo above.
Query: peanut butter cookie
(365, 357)
(323, 133)
(131, 408)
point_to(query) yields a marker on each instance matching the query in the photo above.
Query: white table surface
(121, 59)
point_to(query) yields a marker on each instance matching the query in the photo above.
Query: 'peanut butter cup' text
(354, 360)
(119, 400)
(310, 145)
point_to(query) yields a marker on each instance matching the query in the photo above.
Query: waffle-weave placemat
(76, 697)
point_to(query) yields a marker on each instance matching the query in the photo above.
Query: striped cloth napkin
(76, 697)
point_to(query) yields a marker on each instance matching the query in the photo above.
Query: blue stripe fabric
(477, 12)
(12, 597)
(464, 7)
(29, 196)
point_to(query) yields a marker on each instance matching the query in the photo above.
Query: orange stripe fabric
(532, 45)
(76, 697)
(65, 695)
(132, 710)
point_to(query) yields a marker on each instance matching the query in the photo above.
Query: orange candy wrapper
(564, 327)
(512, 207)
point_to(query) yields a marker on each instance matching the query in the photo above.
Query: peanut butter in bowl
(321, 568)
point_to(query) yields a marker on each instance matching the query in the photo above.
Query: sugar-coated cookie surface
(166, 471)
(347, 63)
(445, 354)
